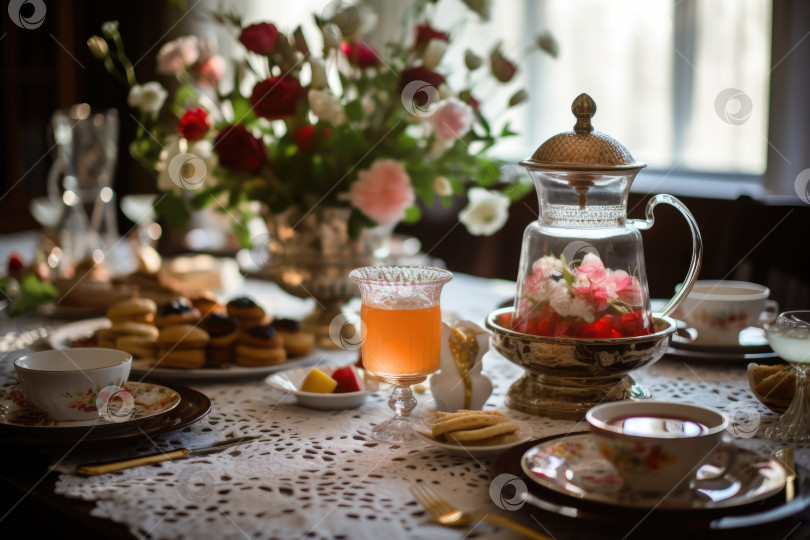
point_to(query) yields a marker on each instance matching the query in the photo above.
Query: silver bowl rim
(493, 326)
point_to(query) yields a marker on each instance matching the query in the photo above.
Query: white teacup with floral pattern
(66, 384)
(720, 309)
(667, 462)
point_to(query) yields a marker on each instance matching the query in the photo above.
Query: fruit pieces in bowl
(773, 386)
(341, 381)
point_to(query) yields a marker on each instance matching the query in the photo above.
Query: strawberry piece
(347, 380)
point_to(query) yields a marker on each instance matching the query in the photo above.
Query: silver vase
(310, 256)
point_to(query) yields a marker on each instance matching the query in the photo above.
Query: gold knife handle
(509, 524)
(103, 468)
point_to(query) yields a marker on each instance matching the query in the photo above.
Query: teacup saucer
(574, 467)
(148, 401)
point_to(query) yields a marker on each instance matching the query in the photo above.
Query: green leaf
(242, 110)
(359, 221)
(517, 190)
(354, 111)
(173, 209)
(412, 214)
(567, 275)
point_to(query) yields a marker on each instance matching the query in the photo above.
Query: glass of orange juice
(402, 328)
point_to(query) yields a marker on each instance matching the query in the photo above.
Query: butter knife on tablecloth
(90, 469)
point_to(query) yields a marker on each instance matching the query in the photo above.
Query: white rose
(486, 212)
(433, 53)
(148, 97)
(326, 107)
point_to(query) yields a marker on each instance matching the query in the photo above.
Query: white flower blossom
(148, 97)
(318, 73)
(326, 107)
(331, 36)
(109, 28)
(433, 53)
(549, 266)
(486, 212)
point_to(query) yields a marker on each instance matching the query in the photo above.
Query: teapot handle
(697, 245)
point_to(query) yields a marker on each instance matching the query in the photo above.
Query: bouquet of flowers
(366, 129)
(586, 301)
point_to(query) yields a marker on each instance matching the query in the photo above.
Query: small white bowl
(64, 383)
(290, 381)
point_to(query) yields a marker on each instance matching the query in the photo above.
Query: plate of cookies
(194, 339)
(473, 433)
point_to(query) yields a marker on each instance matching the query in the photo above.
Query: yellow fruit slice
(319, 382)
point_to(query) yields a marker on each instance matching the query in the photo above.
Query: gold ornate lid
(583, 149)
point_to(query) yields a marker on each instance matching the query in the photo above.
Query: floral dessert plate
(573, 466)
(135, 403)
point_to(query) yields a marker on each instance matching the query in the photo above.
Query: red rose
(305, 134)
(238, 150)
(259, 38)
(423, 75)
(276, 97)
(194, 125)
(425, 32)
(15, 265)
(360, 54)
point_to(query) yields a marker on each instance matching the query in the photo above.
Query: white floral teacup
(66, 384)
(658, 447)
(719, 309)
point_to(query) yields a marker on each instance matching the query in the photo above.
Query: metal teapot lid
(583, 149)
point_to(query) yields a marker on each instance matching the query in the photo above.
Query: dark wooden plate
(194, 406)
(566, 516)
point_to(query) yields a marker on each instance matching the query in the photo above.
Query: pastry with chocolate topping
(296, 341)
(224, 331)
(260, 345)
(179, 311)
(247, 311)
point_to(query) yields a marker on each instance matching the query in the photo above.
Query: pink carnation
(176, 55)
(383, 192)
(452, 119)
(210, 71)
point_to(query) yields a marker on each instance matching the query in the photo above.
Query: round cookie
(261, 335)
(207, 303)
(223, 329)
(253, 356)
(139, 346)
(260, 346)
(141, 310)
(178, 311)
(183, 336)
(183, 358)
(247, 311)
(129, 328)
(296, 341)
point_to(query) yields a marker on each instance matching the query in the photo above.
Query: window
(683, 84)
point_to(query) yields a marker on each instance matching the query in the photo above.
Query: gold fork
(446, 514)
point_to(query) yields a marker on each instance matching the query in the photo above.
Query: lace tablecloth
(316, 474)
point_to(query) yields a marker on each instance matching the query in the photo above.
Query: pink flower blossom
(210, 71)
(452, 119)
(176, 55)
(592, 268)
(383, 192)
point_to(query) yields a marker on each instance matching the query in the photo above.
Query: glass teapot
(582, 271)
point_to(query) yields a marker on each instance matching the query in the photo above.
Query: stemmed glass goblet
(402, 328)
(789, 337)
